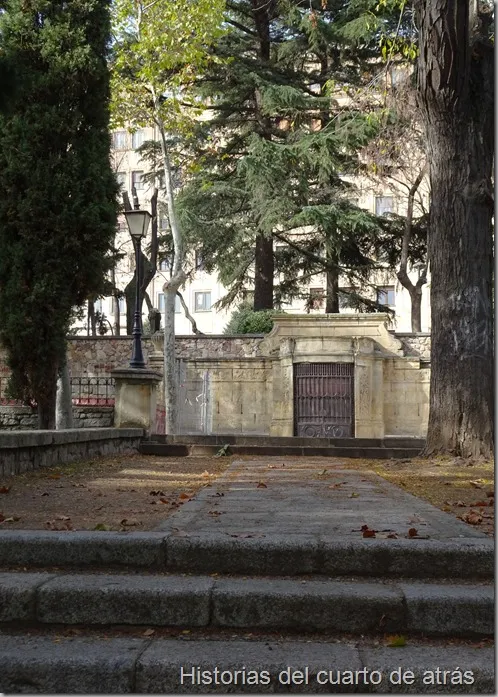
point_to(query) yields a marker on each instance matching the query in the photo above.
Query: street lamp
(138, 223)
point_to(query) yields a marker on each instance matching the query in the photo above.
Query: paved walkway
(297, 496)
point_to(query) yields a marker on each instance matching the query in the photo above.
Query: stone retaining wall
(15, 418)
(22, 451)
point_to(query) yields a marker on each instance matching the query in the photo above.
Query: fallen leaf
(369, 533)
(45, 493)
(149, 632)
(261, 485)
(101, 526)
(353, 495)
(4, 489)
(162, 500)
(12, 519)
(130, 522)
(205, 474)
(490, 494)
(412, 532)
(460, 504)
(476, 485)
(62, 517)
(184, 497)
(473, 518)
(392, 536)
(54, 476)
(480, 503)
(397, 640)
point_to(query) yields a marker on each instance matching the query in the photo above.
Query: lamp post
(138, 223)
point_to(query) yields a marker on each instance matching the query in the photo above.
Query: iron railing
(92, 391)
(85, 391)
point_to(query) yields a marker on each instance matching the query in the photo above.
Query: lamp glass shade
(138, 223)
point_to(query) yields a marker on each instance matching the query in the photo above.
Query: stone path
(287, 496)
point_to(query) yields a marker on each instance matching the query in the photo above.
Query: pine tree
(278, 148)
(57, 189)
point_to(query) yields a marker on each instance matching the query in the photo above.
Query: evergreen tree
(57, 189)
(278, 148)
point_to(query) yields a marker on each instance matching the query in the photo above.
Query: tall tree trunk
(416, 309)
(46, 401)
(414, 289)
(263, 273)
(456, 95)
(264, 264)
(64, 402)
(332, 279)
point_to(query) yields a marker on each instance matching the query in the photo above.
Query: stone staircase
(160, 612)
(369, 448)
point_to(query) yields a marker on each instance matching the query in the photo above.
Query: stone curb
(139, 666)
(273, 555)
(272, 604)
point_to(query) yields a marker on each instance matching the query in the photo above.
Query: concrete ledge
(21, 451)
(449, 610)
(307, 605)
(301, 604)
(275, 555)
(88, 665)
(107, 599)
(33, 548)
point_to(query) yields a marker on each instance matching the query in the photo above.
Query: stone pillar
(136, 398)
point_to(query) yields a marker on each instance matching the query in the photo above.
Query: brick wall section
(14, 418)
(21, 451)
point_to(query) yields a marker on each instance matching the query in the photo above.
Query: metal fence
(85, 391)
(92, 391)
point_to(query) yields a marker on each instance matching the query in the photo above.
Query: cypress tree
(57, 189)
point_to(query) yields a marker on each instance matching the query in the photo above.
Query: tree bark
(332, 279)
(264, 272)
(46, 402)
(264, 263)
(456, 95)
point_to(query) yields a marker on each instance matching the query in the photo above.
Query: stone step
(272, 555)
(137, 665)
(271, 604)
(239, 439)
(179, 450)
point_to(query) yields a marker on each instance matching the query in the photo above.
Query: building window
(97, 305)
(119, 140)
(121, 179)
(199, 261)
(137, 139)
(161, 304)
(202, 301)
(383, 205)
(137, 181)
(316, 301)
(122, 305)
(386, 296)
(163, 223)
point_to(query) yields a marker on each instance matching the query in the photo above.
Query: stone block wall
(22, 451)
(16, 418)
(239, 395)
(406, 397)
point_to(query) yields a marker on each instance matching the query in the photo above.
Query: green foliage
(57, 189)
(245, 321)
